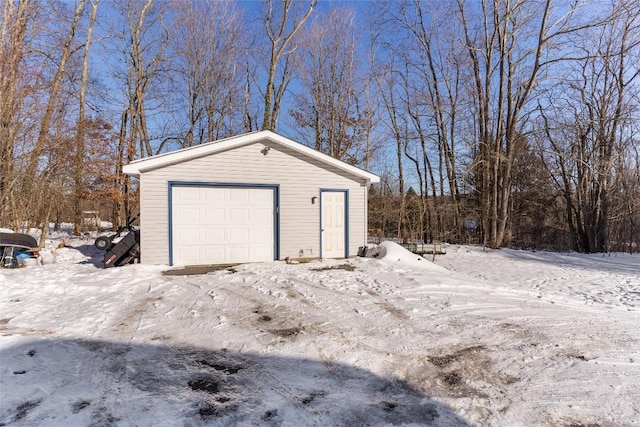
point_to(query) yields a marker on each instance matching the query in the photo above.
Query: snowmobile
(122, 247)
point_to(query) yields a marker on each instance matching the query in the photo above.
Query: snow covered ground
(488, 338)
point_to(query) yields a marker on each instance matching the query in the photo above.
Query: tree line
(500, 122)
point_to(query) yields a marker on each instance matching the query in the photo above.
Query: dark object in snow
(424, 248)
(16, 248)
(121, 248)
(368, 252)
(18, 240)
(347, 267)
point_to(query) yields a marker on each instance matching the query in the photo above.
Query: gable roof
(137, 167)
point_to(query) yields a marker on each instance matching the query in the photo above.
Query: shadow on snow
(91, 382)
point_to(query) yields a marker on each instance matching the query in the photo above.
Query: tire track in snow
(352, 298)
(255, 306)
(373, 312)
(283, 308)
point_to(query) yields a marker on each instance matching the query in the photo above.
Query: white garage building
(250, 198)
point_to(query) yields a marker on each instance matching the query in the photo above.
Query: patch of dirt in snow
(458, 372)
(347, 267)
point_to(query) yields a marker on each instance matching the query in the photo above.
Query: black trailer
(120, 248)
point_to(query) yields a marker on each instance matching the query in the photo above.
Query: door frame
(276, 207)
(346, 218)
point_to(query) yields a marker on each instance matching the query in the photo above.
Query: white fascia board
(137, 167)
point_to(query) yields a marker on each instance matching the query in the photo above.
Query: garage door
(218, 225)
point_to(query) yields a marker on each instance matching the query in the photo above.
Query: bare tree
(54, 91)
(146, 45)
(510, 45)
(14, 46)
(388, 79)
(282, 21)
(332, 106)
(45, 156)
(624, 213)
(44, 106)
(430, 93)
(79, 169)
(209, 46)
(589, 128)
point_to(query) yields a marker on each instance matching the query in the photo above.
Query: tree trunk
(80, 134)
(280, 40)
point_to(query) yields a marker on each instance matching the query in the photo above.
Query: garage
(257, 197)
(222, 224)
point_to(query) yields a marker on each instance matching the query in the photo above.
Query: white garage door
(218, 225)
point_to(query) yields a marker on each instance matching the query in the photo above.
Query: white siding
(299, 179)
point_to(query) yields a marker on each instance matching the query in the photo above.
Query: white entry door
(220, 225)
(333, 227)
